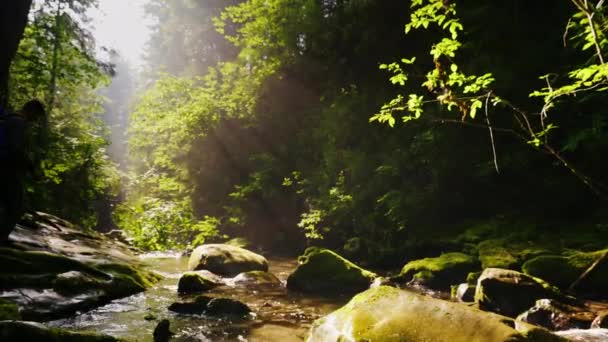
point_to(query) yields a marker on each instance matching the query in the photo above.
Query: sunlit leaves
(450, 86)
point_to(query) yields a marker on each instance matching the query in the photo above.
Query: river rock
(162, 332)
(53, 269)
(196, 307)
(510, 292)
(440, 272)
(199, 281)
(256, 278)
(226, 260)
(389, 314)
(227, 307)
(323, 271)
(553, 315)
(585, 335)
(32, 331)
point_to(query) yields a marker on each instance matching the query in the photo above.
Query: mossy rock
(74, 282)
(323, 271)
(193, 282)
(30, 331)
(509, 292)
(563, 271)
(127, 280)
(9, 311)
(226, 260)
(440, 272)
(389, 314)
(493, 253)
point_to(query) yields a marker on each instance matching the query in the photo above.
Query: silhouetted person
(19, 156)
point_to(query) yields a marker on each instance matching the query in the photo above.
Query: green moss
(226, 260)
(9, 311)
(478, 232)
(322, 270)
(472, 277)
(440, 272)
(139, 277)
(71, 283)
(389, 314)
(493, 253)
(564, 270)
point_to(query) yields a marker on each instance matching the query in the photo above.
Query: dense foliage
(274, 142)
(55, 63)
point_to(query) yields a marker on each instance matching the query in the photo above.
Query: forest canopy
(358, 125)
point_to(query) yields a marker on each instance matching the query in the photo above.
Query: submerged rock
(162, 332)
(227, 307)
(193, 282)
(510, 292)
(212, 307)
(196, 307)
(32, 331)
(226, 260)
(440, 272)
(389, 314)
(256, 278)
(323, 271)
(554, 315)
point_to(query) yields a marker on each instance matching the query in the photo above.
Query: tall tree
(13, 18)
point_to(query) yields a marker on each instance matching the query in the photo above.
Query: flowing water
(279, 315)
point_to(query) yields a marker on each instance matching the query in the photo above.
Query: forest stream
(279, 315)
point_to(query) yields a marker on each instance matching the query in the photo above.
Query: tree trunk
(13, 18)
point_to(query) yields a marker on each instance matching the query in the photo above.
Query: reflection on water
(278, 315)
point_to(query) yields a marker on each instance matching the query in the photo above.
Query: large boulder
(510, 292)
(389, 314)
(199, 281)
(31, 331)
(325, 272)
(226, 260)
(440, 272)
(563, 271)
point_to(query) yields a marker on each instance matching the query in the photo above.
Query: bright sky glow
(121, 25)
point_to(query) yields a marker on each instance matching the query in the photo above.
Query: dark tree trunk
(13, 18)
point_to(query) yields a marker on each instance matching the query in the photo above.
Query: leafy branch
(468, 94)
